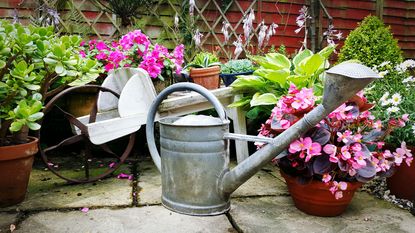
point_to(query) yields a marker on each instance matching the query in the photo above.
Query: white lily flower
(197, 37)
(225, 31)
(262, 32)
(238, 46)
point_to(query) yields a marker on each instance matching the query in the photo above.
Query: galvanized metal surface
(193, 158)
(194, 165)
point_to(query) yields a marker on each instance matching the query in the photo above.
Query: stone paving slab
(47, 191)
(278, 214)
(261, 184)
(6, 220)
(152, 219)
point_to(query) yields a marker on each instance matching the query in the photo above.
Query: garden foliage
(371, 43)
(237, 66)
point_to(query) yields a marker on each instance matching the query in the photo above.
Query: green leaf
(311, 64)
(264, 99)
(50, 61)
(59, 68)
(37, 96)
(16, 126)
(2, 64)
(279, 76)
(21, 66)
(33, 125)
(36, 107)
(327, 51)
(298, 80)
(301, 56)
(254, 112)
(240, 103)
(35, 116)
(248, 82)
(278, 60)
(32, 87)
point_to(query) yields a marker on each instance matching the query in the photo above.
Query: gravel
(378, 188)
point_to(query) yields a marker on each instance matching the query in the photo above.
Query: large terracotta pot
(315, 198)
(206, 77)
(80, 102)
(402, 183)
(15, 167)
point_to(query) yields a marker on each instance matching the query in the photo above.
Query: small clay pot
(316, 199)
(15, 166)
(402, 183)
(206, 77)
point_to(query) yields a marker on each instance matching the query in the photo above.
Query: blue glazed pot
(229, 78)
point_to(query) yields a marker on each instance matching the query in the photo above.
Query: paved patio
(262, 204)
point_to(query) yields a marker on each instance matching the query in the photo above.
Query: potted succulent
(233, 68)
(325, 166)
(205, 69)
(34, 65)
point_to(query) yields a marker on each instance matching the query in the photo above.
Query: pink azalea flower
(85, 209)
(82, 43)
(82, 53)
(101, 46)
(101, 56)
(112, 165)
(108, 67)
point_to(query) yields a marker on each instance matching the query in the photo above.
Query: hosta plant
(344, 147)
(35, 64)
(272, 79)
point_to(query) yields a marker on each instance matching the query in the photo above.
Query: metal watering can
(196, 179)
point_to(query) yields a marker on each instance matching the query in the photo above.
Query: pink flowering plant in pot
(135, 49)
(344, 147)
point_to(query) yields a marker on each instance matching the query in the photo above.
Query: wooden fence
(158, 21)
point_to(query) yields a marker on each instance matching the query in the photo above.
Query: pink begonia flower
(314, 149)
(85, 210)
(344, 137)
(338, 195)
(356, 147)
(331, 150)
(345, 154)
(360, 159)
(101, 46)
(405, 117)
(387, 154)
(82, 53)
(377, 125)
(326, 177)
(352, 172)
(285, 124)
(300, 145)
(408, 161)
(379, 145)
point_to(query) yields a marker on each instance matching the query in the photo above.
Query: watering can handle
(153, 109)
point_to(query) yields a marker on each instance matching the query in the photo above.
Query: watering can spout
(340, 84)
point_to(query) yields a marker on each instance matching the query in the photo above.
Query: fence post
(379, 8)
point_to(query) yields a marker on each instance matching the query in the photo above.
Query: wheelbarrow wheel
(64, 142)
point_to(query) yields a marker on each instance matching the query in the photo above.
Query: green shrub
(372, 43)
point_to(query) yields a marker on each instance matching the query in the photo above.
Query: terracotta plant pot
(315, 198)
(15, 167)
(79, 103)
(402, 183)
(206, 77)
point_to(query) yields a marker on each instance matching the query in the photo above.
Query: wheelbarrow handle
(153, 109)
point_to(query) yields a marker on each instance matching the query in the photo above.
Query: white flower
(384, 63)
(384, 99)
(301, 19)
(392, 109)
(396, 99)
(413, 129)
(192, 6)
(176, 20)
(404, 66)
(271, 31)
(197, 37)
(248, 22)
(409, 79)
(261, 35)
(225, 31)
(238, 46)
(383, 73)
